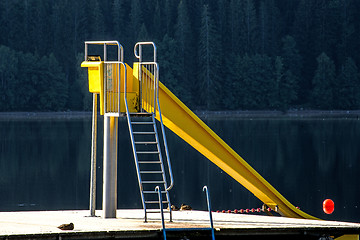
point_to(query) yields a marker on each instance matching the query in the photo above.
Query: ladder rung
(154, 192)
(149, 162)
(146, 142)
(147, 152)
(140, 114)
(148, 172)
(153, 202)
(143, 132)
(142, 122)
(153, 182)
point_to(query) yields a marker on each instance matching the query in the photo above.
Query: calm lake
(45, 164)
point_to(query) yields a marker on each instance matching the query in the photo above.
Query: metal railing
(148, 78)
(112, 76)
(149, 94)
(164, 229)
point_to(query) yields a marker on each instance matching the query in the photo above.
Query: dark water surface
(45, 164)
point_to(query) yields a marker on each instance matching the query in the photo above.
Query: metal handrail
(205, 188)
(120, 59)
(158, 190)
(166, 150)
(156, 100)
(139, 44)
(120, 48)
(164, 229)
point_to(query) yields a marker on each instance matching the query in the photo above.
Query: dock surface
(130, 224)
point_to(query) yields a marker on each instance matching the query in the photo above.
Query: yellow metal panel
(183, 122)
(96, 80)
(95, 75)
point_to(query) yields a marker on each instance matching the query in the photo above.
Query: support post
(93, 158)
(110, 167)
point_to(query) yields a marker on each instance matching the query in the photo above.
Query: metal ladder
(145, 140)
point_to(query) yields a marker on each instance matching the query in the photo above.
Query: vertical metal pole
(110, 166)
(205, 188)
(93, 158)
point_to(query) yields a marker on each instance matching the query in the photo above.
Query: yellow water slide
(183, 122)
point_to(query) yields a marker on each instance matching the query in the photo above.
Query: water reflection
(45, 165)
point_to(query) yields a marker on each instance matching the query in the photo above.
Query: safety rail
(149, 77)
(112, 76)
(164, 229)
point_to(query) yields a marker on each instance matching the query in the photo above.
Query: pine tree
(8, 76)
(158, 24)
(183, 39)
(209, 62)
(348, 95)
(286, 84)
(136, 20)
(250, 30)
(270, 27)
(98, 30)
(119, 20)
(292, 67)
(256, 87)
(323, 82)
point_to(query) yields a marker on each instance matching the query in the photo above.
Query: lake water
(45, 164)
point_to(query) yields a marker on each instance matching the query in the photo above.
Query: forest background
(214, 54)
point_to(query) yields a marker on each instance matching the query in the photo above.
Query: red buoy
(328, 206)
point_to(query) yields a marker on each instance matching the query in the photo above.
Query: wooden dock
(129, 224)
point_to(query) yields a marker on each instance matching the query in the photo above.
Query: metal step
(144, 133)
(148, 152)
(146, 143)
(150, 172)
(156, 202)
(142, 123)
(152, 192)
(153, 182)
(149, 162)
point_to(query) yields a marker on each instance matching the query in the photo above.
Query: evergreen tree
(323, 82)
(235, 26)
(8, 75)
(136, 20)
(348, 94)
(270, 27)
(209, 62)
(292, 61)
(98, 31)
(52, 86)
(169, 69)
(286, 84)
(158, 24)
(183, 38)
(256, 87)
(119, 20)
(250, 30)
(303, 33)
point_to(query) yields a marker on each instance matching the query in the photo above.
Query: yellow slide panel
(183, 122)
